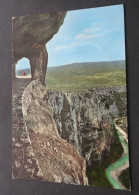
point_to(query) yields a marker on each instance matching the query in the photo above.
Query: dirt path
(19, 83)
(22, 151)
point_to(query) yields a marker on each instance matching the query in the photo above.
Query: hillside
(87, 68)
(78, 77)
(81, 76)
(19, 72)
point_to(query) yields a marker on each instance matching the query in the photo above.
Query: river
(114, 170)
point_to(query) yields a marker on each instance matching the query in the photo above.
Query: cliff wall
(38, 150)
(53, 131)
(30, 34)
(86, 119)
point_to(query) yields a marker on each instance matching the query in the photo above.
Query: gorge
(56, 135)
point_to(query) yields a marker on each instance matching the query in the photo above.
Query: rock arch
(30, 34)
(38, 58)
(23, 66)
(30, 127)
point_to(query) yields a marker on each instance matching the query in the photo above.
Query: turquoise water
(120, 162)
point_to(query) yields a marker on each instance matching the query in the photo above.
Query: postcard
(69, 98)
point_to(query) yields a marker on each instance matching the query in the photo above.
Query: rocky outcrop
(38, 150)
(25, 164)
(30, 34)
(86, 119)
(53, 130)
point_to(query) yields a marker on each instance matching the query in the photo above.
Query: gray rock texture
(25, 164)
(86, 119)
(30, 34)
(38, 150)
(55, 133)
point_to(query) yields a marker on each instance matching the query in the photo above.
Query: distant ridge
(86, 68)
(120, 62)
(82, 68)
(19, 72)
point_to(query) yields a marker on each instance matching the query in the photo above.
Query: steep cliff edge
(86, 119)
(54, 132)
(38, 150)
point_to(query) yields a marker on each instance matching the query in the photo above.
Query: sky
(88, 35)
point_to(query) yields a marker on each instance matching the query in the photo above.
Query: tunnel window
(23, 69)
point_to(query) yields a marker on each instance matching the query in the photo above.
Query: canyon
(56, 135)
(38, 150)
(86, 119)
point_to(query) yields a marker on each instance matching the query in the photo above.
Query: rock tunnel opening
(23, 68)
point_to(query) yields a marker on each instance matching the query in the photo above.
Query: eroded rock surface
(38, 150)
(52, 130)
(86, 119)
(25, 163)
(30, 34)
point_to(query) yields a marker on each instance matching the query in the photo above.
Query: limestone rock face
(25, 164)
(30, 34)
(86, 119)
(39, 151)
(53, 131)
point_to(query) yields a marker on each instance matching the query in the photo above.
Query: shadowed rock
(30, 34)
(59, 160)
(86, 119)
(38, 150)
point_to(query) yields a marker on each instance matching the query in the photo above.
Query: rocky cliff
(30, 34)
(86, 119)
(38, 150)
(53, 131)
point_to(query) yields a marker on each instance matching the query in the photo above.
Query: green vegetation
(96, 173)
(80, 77)
(125, 178)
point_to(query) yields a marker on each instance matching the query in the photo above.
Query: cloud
(86, 36)
(88, 33)
(61, 48)
(93, 32)
(73, 44)
(107, 31)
